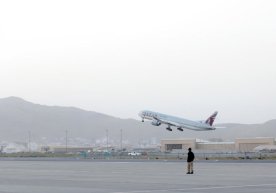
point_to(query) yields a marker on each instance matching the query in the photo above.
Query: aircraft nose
(140, 113)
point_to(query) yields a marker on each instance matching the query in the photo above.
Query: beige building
(172, 144)
(249, 144)
(216, 146)
(240, 145)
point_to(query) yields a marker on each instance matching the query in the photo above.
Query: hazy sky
(185, 58)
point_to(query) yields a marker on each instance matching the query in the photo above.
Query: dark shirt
(190, 157)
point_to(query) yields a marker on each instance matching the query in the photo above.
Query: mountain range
(18, 118)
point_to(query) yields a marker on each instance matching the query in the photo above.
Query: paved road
(135, 177)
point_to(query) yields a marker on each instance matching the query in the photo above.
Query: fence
(182, 156)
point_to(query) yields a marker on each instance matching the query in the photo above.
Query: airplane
(180, 123)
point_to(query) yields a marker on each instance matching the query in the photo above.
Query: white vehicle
(180, 123)
(134, 153)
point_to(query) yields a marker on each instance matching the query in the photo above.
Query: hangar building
(239, 145)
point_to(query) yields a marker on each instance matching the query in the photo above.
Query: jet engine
(156, 123)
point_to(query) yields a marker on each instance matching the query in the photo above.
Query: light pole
(107, 141)
(121, 139)
(66, 138)
(29, 141)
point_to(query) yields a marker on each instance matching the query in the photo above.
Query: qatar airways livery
(180, 123)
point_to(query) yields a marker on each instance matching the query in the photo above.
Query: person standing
(190, 160)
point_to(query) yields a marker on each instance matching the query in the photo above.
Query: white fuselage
(175, 121)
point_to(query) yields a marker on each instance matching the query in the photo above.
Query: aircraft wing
(168, 122)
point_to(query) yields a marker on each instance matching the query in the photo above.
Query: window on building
(170, 147)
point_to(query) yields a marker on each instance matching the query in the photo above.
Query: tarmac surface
(136, 177)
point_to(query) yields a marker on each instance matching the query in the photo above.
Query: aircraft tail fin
(211, 119)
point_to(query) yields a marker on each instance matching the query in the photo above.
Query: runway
(135, 177)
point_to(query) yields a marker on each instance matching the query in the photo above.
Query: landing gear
(143, 120)
(169, 128)
(179, 129)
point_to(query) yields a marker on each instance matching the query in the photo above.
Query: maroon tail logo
(211, 119)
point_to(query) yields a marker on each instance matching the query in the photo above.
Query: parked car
(134, 153)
